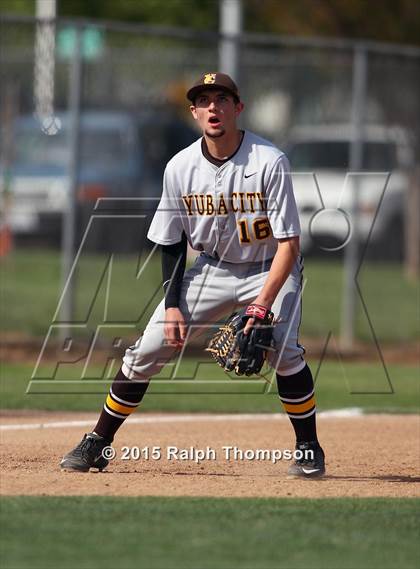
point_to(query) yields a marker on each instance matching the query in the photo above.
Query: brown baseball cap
(213, 81)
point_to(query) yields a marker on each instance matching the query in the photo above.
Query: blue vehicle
(122, 155)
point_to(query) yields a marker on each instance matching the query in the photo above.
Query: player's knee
(145, 358)
(288, 361)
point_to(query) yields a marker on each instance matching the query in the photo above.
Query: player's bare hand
(175, 329)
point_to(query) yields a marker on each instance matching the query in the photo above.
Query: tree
(381, 20)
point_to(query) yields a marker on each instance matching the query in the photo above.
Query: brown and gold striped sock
(297, 395)
(123, 399)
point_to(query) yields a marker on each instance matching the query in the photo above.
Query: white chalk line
(191, 418)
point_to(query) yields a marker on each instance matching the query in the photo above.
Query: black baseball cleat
(312, 464)
(87, 454)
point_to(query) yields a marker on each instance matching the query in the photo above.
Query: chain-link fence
(296, 91)
(333, 105)
(132, 66)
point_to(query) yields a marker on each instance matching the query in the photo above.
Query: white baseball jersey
(235, 212)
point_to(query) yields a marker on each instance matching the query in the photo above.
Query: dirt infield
(374, 455)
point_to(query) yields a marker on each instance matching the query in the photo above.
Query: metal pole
(44, 59)
(230, 29)
(69, 220)
(351, 251)
(45, 9)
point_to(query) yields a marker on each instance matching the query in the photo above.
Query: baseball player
(230, 196)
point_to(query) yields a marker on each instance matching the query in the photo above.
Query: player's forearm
(284, 259)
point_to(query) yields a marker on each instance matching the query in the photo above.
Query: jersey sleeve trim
(285, 234)
(161, 241)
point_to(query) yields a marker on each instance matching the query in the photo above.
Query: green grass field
(186, 533)
(29, 293)
(30, 286)
(334, 390)
(200, 533)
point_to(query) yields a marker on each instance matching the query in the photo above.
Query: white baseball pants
(213, 289)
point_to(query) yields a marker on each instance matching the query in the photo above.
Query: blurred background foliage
(380, 20)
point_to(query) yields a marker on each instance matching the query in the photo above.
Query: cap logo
(209, 78)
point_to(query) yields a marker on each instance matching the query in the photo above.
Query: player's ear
(239, 107)
(193, 111)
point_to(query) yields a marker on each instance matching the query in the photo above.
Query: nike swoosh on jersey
(249, 175)
(310, 470)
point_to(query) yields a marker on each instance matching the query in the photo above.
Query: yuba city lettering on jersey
(236, 211)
